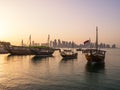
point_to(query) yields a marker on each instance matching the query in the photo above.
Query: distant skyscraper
(113, 46)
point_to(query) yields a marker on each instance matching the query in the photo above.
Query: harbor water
(53, 73)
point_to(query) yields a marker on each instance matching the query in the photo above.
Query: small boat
(68, 54)
(95, 55)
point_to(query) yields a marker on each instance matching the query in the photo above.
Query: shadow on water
(18, 55)
(67, 66)
(64, 60)
(94, 74)
(38, 58)
(95, 67)
(12, 57)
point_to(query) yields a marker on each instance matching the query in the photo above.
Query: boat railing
(93, 51)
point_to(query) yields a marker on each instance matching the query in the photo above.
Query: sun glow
(3, 30)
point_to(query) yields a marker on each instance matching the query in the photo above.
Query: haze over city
(69, 20)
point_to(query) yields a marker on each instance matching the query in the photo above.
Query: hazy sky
(70, 20)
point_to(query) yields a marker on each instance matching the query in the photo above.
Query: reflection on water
(18, 57)
(37, 57)
(29, 72)
(95, 67)
(94, 76)
(67, 60)
(67, 66)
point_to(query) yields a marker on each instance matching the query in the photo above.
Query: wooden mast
(22, 43)
(96, 38)
(48, 40)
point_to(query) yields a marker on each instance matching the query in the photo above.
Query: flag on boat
(87, 42)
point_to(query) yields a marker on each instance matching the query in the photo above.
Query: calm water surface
(53, 73)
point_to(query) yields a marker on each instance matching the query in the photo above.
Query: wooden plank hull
(40, 52)
(95, 58)
(72, 56)
(19, 50)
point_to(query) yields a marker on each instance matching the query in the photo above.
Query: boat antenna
(96, 37)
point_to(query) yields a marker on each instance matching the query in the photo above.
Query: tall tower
(30, 40)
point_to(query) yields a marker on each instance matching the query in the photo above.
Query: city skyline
(57, 43)
(69, 20)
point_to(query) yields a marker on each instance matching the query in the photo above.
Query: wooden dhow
(68, 54)
(95, 55)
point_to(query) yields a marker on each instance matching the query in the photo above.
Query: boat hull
(95, 58)
(72, 56)
(40, 52)
(19, 50)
